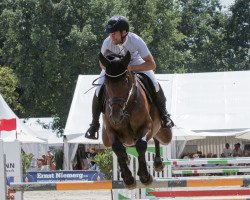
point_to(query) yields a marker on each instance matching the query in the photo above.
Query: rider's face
(116, 37)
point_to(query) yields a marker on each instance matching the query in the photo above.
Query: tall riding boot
(161, 104)
(97, 105)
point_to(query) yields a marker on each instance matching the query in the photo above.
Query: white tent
(201, 102)
(184, 134)
(43, 128)
(244, 135)
(22, 129)
(24, 139)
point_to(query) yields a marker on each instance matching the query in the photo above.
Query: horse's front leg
(145, 177)
(158, 164)
(122, 157)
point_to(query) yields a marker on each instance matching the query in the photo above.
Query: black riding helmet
(117, 23)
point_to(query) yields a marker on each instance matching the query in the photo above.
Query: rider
(119, 41)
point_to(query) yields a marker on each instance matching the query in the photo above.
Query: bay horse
(129, 119)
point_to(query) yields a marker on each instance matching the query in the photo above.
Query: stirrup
(167, 122)
(93, 132)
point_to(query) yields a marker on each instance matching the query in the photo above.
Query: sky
(227, 3)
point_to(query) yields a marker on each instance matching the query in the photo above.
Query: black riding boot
(92, 132)
(161, 104)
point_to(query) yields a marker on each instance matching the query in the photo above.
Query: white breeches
(150, 74)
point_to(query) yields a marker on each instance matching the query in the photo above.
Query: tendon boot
(161, 105)
(97, 105)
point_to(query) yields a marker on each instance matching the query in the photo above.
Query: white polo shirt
(133, 43)
(138, 50)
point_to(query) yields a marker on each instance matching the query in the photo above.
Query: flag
(8, 124)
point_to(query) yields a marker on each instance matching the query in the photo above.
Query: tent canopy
(30, 139)
(6, 113)
(43, 127)
(24, 139)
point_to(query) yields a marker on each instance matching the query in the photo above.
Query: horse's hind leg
(158, 164)
(145, 177)
(122, 157)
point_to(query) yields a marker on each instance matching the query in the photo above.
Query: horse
(129, 119)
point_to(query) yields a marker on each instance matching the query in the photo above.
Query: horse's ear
(126, 58)
(105, 62)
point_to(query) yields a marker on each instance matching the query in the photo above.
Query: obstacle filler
(200, 193)
(176, 167)
(158, 183)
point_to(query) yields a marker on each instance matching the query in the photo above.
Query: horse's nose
(116, 117)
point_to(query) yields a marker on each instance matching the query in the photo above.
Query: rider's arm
(149, 64)
(145, 54)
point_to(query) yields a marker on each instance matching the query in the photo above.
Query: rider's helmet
(117, 23)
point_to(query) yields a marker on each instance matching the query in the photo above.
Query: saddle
(147, 86)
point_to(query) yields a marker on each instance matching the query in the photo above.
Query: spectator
(237, 152)
(81, 159)
(91, 158)
(227, 151)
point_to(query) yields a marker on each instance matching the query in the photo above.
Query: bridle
(124, 101)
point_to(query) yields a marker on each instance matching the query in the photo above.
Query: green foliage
(238, 36)
(203, 24)
(104, 161)
(59, 159)
(8, 85)
(26, 161)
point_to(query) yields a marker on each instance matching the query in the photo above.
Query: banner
(8, 124)
(2, 174)
(59, 176)
(12, 150)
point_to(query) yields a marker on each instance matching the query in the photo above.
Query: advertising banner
(59, 176)
(2, 173)
(12, 150)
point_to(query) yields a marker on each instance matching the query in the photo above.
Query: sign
(2, 174)
(59, 176)
(12, 150)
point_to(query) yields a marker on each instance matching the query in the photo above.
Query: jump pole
(201, 193)
(239, 181)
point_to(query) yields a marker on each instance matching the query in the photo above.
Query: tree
(238, 36)
(8, 87)
(203, 24)
(48, 44)
(156, 22)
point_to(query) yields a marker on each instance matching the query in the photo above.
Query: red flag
(8, 124)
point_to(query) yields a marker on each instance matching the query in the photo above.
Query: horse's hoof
(158, 167)
(146, 180)
(130, 184)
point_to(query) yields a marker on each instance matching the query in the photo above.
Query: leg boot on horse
(158, 164)
(122, 157)
(144, 175)
(97, 108)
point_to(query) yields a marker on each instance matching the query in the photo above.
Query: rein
(111, 76)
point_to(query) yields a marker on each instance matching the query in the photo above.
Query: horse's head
(118, 84)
